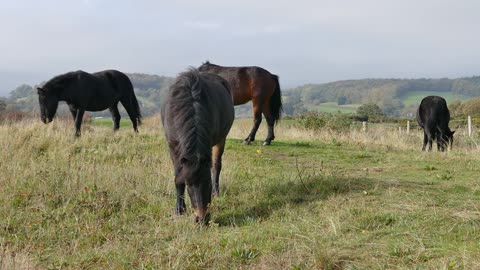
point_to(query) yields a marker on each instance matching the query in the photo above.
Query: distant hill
(397, 97)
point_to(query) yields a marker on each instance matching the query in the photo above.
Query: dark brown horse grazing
(197, 114)
(259, 86)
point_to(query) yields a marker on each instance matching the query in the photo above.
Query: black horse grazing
(83, 91)
(259, 86)
(433, 116)
(197, 114)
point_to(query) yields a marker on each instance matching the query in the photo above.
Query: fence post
(400, 130)
(408, 127)
(469, 126)
(364, 126)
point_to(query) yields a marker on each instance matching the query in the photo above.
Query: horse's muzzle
(202, 220)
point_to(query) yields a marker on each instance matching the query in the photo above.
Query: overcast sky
(301, 41)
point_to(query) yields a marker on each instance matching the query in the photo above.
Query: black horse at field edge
(433, 117)
(197, 115)
(84, 91)
(255, 84)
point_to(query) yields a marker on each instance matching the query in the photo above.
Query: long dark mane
(197, 114)
(191, 118)
(59, 82)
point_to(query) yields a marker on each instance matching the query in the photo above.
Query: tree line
(387, 94)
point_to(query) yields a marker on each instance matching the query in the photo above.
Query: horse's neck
(61, 95)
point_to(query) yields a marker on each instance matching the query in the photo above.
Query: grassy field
(414, 98)
(321, 200)
(411, 98)
(334, 107)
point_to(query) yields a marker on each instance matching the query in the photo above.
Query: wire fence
(469, 124)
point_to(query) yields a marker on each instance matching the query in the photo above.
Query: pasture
(330, 107)
(324, 200)
(414, 98)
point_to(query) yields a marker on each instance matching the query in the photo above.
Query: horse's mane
(60, 81)
(190, 119)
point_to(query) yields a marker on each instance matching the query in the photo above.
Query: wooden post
(408, 127)
(364, 126)
(469, 126)
(400, 130)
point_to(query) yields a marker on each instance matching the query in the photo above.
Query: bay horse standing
(197, 114)
(83, 91)
(255, 84)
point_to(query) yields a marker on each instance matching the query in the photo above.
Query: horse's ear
(41, 91)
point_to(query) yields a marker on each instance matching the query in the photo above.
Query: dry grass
(320, 200)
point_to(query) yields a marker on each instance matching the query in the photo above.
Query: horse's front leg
(78, 121)
(180, 207)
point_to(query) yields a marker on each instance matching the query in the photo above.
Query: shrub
(370, 111)
(315, 121)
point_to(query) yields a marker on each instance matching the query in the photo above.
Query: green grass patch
(333, 107)
(414, 98)
(108, 122)
(308, 201)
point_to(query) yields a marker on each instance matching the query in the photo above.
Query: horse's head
(199, 186)
(449, 138)
(446, 140)
(48, 104)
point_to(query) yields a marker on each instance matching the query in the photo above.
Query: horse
(433, 117)
(255, 84)
(84, 91)
(197, 115)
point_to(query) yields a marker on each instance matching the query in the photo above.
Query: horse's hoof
(246, 142)
(267, 143)
(179, 211)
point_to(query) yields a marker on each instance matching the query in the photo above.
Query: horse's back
(212, 105)
(433, 111)
(219, 102)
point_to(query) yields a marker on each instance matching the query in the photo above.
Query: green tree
(369, 110)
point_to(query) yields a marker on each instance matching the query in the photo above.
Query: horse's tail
(190, 113)
(276, 101)
(130, 94)
(135, 105)
(122, 83)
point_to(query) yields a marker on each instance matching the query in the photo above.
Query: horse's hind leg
(425, 140)
(130, 111)
(115, 116)
(271, 124)
(257, 115)
(73, 111)
(217, 153)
